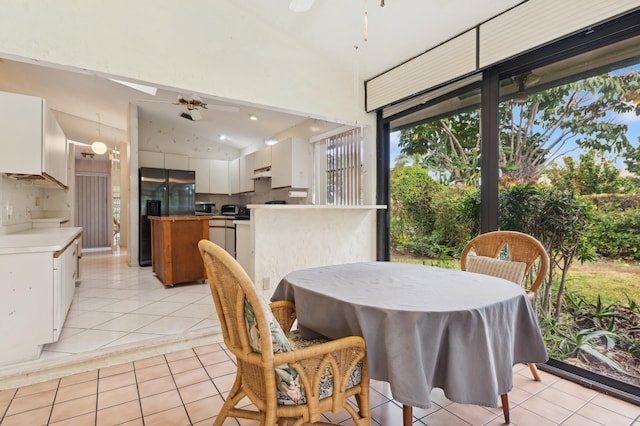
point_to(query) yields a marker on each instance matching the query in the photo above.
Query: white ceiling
(333, 28)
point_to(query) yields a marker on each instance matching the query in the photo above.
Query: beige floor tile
(190, 377)
(575, 389)
(73, 408)
(522, 417)
(204, 408)
(617, 405)
(439, 418)
(216, 357)
(201, 350)
(474, 414)
(221, 369)
(224, 383)
(156, 386)
(116, 369)
(78, 390)
(7, 394)
(185, 364)
(37, 388)
(178, 355)
(149, 362)
(88, 419)
(578, 420)
(116, 381)
(197, 391)
(549, 410)
(176, 416)
(78, 378)
(604, 416)
(31, 402)
(35, 417)
(160, 402)
(119, 414)
(117, 396)
(153, 372)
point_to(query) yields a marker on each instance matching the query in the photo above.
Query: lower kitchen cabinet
(222, 232)
(37, 289)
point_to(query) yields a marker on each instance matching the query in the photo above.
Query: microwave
(203, 208)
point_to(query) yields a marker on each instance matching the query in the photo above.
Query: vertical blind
(343, 166)
(93, 210)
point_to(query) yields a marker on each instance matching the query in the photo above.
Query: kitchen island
(174, 248)
(38, 273)
(281, 238)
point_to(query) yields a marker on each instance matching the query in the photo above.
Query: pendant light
(99, 147)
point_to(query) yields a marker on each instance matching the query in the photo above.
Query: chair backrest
(230, 286)
(520, 247)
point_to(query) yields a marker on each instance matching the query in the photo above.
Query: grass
(615, 282)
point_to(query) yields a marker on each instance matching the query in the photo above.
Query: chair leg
(534, 372)
(505, 407)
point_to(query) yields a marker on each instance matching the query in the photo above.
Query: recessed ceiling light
(223, 137)
(253, 118)
(270, 142)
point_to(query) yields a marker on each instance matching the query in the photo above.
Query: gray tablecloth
(424, 327)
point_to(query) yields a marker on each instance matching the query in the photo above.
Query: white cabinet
(262, 159)
(222, 232)
(33, 141)
(246, 184)
(243, 248)
(37, 289)
(291, 164)
(201, 167)
(219, 177)
(217, 231)
(234, 176)
(65, 275)
(212, 176)
(162, 160)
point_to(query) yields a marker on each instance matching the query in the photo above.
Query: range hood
(264, 173)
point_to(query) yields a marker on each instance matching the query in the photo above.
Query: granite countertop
(38, 240)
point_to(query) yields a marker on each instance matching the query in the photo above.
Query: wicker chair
(255, 377)
(518, 247)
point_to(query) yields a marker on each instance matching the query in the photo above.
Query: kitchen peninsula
(174, 248)
(281, 238)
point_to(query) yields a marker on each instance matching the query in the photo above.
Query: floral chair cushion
(290, 389)
(287, 379)
(512, 271)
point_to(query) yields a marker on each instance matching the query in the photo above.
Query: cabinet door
(217, 232)
(64, 285)
(230, 238)
(54, 160)
(281, 164)
(246, 171)
(262, 158)
(234, 176)
(219, 177)
(201, 167)
(291, 164)
(21, 134)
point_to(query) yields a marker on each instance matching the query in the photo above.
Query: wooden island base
(174, 248)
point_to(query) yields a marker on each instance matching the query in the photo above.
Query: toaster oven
(229, 210)
(203, 208)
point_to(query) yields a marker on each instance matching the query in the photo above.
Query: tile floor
(117, 304)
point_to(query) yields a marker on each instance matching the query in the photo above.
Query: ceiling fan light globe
(99, 147)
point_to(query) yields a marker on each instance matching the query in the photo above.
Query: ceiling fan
(194, 104)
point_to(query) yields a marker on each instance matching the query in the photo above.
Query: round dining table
(424, 327)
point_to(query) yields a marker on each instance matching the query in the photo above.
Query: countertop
(313, 207)
(38, 240)
(179, 218)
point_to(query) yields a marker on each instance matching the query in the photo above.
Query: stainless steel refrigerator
(162, 193)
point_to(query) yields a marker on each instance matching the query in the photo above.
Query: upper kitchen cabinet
(34, 142)
(212, 176)
(262, 159)
(161, 160)
(234, 176)
(246, 168)
(291, 164)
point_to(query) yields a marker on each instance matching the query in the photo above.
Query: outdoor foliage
(615, 230)
(534, 134)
